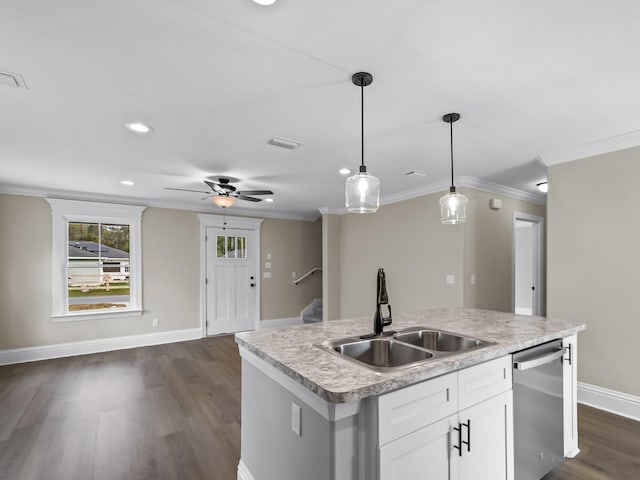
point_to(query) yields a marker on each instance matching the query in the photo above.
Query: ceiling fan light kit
(362, 193)
(453, 206)
(223, 201)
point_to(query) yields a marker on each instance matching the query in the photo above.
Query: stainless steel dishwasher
(538, 410)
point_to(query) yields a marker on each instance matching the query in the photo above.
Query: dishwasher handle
(541, 360)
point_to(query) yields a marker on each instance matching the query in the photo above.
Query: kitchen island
(308, 414)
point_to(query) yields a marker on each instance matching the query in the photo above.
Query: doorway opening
(528, 264)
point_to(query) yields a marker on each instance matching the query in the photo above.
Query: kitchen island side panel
(324, 450)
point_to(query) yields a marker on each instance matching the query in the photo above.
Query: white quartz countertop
(293, 350)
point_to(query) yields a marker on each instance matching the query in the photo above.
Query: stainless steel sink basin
(439, 340)
(379, 353)
(406, 348)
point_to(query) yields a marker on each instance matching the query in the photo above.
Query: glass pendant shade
(362, 193)
(453, 207)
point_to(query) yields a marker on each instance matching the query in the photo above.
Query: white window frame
(65, 211)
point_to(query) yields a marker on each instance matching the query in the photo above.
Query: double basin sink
(406, 348)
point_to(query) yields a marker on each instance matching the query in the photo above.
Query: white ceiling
(537, 81)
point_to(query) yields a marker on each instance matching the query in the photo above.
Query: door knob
(253, 284)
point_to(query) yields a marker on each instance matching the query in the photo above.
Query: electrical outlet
(267, 264)
(295, 418)
(155, 322)
(473, 279)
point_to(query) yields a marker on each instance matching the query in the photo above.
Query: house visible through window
(96, 259)
(97, 266)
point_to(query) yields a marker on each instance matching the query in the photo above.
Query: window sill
(74, 317)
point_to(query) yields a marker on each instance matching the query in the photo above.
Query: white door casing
(536, 250)
(230, 297)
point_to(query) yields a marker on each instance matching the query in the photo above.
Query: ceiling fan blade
(255, 192)
(184, 190)
(209, 196)
(250, 199)
(215, 187)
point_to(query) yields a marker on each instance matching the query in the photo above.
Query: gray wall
(594, 260)
(418, 252)
(170, 270)
(295, 246)
(170, 257)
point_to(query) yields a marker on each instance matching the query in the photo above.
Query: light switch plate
(451, 279)
(267, 264)
(266, 274)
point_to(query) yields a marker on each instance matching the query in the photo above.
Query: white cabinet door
(424, 454)
(487, 439)
(570, 393)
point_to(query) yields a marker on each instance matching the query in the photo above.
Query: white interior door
(528, 267)
(230, 280)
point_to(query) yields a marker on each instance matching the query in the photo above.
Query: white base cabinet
(471, 443)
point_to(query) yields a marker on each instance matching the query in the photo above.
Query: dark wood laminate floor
(609, 448)
(173, 412)
(162, 412)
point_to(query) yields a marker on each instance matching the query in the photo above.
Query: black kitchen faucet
(379, 320)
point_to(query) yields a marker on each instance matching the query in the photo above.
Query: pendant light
(362, 190)
(453, 206)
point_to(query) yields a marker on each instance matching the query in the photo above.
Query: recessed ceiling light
(344, 171)
(128, 183)
(543, 187)
(270, 200)
(264, 2)
(138, 127)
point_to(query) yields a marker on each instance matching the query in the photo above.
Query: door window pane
(230, 246)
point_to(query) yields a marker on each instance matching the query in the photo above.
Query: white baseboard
(45, 352)
(280, 322)
(612, 401)
(243, 472)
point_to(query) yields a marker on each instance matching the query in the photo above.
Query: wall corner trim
(243, 472)
(59, 350)
(611, 401)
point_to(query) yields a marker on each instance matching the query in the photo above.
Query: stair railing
(309, 273)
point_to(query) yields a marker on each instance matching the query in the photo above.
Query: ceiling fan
(224, 194)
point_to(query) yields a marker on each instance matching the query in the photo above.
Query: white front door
(230, 280)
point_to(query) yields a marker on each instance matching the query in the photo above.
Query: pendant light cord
(362, 125)
(451, 137)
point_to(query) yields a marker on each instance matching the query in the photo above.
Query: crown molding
(92, 197)
(487, 186)
(614, 143)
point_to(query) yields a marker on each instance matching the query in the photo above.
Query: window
(229, 246)
(96, 260)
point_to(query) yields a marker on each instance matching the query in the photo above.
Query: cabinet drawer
(484, 381)
(411, 408)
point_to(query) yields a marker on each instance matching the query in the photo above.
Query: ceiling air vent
(284, 143)
(13, 80)
(417, 173)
